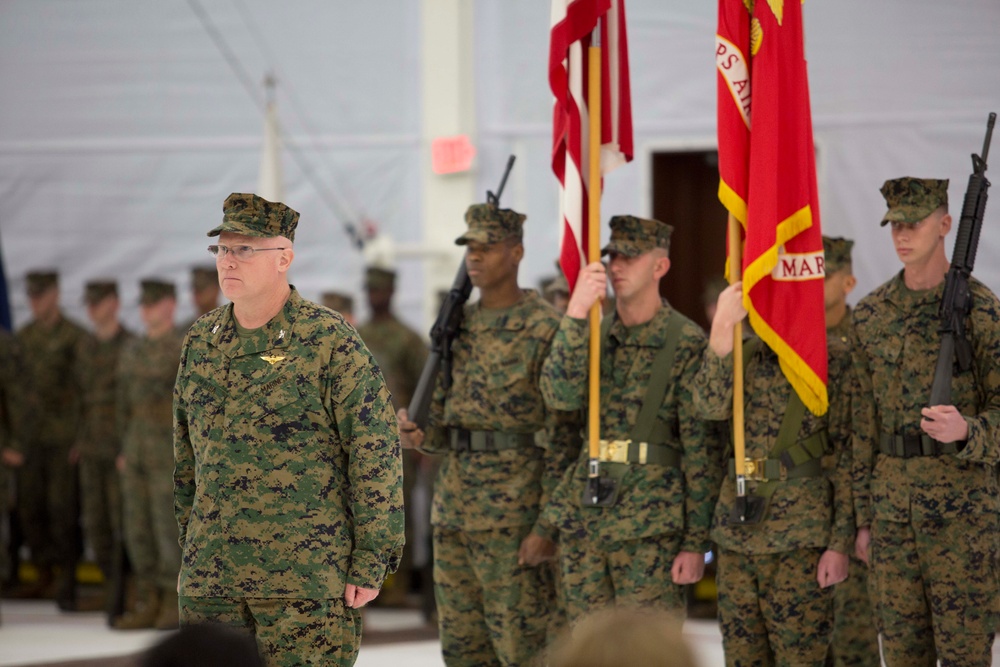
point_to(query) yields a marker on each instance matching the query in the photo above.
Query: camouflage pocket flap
(271, 396)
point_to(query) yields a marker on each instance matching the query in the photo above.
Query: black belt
(910, 445)
(464, 440)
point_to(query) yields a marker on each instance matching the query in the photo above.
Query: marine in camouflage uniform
(98, 442)
(776, 570)
(47, 482)
(11, 415)
(855, 635)
(287, 483)
(503, 453)
(400, 353)
(340, 302)
(926, 491)
(556, 290)
(652, 539)
(204, 293)
(146, 373)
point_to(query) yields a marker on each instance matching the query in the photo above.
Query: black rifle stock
(956, 303)
(445, 330)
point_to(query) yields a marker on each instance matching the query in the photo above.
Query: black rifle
(957, 302)
(445, 330)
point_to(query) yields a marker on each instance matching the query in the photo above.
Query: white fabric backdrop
(122, 128)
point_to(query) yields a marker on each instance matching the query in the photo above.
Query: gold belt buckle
(754, 469)
(614, 451)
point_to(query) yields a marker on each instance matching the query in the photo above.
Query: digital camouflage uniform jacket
(49, 357)
(497, 361)
(288, 474)
(400, 353)
(895, 346)
(652, 499)
(96, 367)
(803, 513)
(147, 370)
(11, 414)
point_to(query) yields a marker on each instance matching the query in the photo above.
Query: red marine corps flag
(767, 170)
(572, 24)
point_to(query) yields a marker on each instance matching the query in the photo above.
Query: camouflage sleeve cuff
(543, 528)
(369, 569)
(696, 544)
(841, 544)
(979, 447)
(435, 441)
(712, 387)
(576, 331)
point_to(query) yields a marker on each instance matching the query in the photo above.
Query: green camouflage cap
(39, 281)
(338, 301)
(489, 224)
(913, 199)
(251, 215)
(204, 276)
(376, 278)
(632, 236)
(97, 290)
(837, 253)
(556, 284)
(154, 291)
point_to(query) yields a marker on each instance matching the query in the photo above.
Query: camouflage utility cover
(803, 513)
(288, 475)
(338, 301)
(489, 224)
(498, 357)
(204, 276)
(653, 500)
(153, 291)
(251, 215)
(837, 253)
(913, 199)
(97, 290)
(39, 281)
(378, 278)
(632, 236)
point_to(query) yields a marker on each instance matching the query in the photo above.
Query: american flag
(572, 24)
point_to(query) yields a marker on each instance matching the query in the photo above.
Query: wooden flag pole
(594, 250)
(739, 442)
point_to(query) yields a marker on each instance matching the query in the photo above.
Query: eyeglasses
(240, 252)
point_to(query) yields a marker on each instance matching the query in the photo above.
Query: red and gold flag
(767, 170)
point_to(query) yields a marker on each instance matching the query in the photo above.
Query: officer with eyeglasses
(288, 481)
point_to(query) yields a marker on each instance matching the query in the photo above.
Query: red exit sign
(450, 155)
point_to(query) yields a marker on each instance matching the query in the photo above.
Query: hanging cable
(293, 149)
(298, 109)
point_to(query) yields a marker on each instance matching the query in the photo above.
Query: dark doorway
(685, 195)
